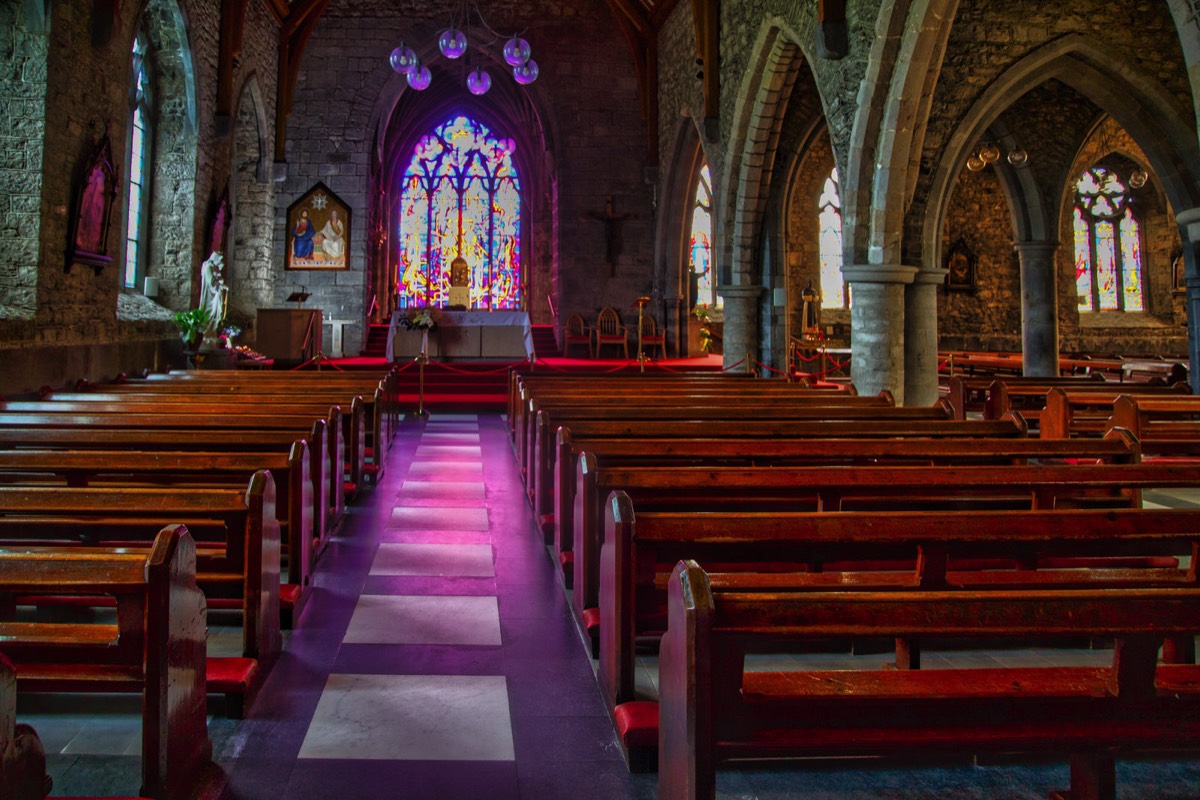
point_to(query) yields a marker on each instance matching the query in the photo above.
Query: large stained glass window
(829, 233)
(460, 196)
(700, 253)
(139, 147)
(1108, 244)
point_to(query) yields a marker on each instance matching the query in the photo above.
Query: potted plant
(192, 324)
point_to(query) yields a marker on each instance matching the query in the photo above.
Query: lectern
(282, 333)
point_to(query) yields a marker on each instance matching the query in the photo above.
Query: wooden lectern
(281, 333)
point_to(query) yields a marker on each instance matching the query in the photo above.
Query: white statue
(214, 294)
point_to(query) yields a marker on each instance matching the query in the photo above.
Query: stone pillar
(920, 338)
(1039, 308)
(741, 322)
(877, 326)
(1189, 228)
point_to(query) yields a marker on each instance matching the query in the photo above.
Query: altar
(495, 335)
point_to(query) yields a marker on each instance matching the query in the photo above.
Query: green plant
(192, 324)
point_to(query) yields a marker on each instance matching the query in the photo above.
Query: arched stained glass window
(829, 232)
(1108, 244)
(700, 241)
(461, 196)
(139, 168)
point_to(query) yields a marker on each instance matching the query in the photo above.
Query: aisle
(437, 658)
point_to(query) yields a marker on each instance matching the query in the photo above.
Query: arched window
(700, 242)
(1108, 244)
(461, 196)
(139, 167)
(829, 239)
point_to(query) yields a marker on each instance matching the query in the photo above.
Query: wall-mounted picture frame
(960, 265)
(91, 213)
(318, 231)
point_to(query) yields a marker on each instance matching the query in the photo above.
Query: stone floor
(437, 659)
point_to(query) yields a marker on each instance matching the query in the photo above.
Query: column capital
(935, 275)
(1190, 219)
(731, 292)
(1046, 248)
(879, 273)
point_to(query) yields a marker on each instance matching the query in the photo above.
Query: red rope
(733, 366)
(449, 368)
(769, 368)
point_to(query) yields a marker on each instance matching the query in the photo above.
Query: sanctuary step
(545, 343)
(376, 344)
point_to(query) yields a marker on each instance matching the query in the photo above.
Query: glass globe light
(452, 43)
(1138, 178)
(516, 51)
(403, 59)
(975, 163)
(527, 73)
(1018, 157)
(989, 154)
(419, 78)
(479, 81)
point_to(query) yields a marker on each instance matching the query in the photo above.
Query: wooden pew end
(637, 733)
(546, 522)
(566, 565)
(238, 679)
(591, 626)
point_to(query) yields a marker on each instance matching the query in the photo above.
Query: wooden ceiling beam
(643, 45)
(229, 50)
(294, 34)
(706, 16)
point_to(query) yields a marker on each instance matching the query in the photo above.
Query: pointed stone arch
(671, 233)
(248, 249)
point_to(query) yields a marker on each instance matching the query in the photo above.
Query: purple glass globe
(479, 81)
(516, 51)
(527, 73)
(452, 43)
(403, 59)
(419, 78)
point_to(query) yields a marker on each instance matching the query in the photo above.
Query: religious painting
(960, 262)
(318, 231)
(92, 210)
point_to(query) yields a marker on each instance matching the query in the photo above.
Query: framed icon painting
(318, 234)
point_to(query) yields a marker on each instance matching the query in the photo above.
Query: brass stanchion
(422, 359)
(641, 305)
(749, 362)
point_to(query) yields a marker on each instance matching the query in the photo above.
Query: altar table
(497, 335)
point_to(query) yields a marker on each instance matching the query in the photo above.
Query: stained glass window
(138, 167)
(460, 196)
(829, 237)
(1108, 244)
(700, 258)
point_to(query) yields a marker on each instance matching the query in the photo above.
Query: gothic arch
(252, 198)
(1187, 23)
(671, 229)
(1135, 101)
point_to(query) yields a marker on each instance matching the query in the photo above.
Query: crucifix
(612, 242)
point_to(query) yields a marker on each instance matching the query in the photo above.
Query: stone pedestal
(1039, 308)
(741, 323)
(877, 327)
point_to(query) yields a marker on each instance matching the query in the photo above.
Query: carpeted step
(545, 343)
(376, 344)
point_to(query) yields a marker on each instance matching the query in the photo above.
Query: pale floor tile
(441, 519)
(436, 619)
(451, 427)
(464, 437)
(454, 418)
(459, 560)
(449, 488)
(412, 717)
(446, 470)
(449, 452)
(1148, 504)
(110, 736)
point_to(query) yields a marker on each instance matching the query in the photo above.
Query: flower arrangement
(419, 319)
(228, 334)
(192, 324)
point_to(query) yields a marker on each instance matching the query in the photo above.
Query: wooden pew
(1118, 447)
(784, 534)
(196, 424)
(968, 394)
(155, 648)
(207, 440)
(22, 757)
(1071, 413)
(712, 710)
(1165, 426)
(295, 507)
(237, 545)
(1031, 399)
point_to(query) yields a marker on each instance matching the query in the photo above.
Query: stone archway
(248, 248)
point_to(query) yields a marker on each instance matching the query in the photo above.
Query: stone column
(741, 322)
(1189, 227)
(920, 338)
(877, 326)
(1039, 308)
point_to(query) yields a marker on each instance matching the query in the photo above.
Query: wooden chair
(577, 333)
(652, 337)
(609, 330)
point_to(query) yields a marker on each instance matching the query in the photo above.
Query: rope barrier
(769, 368)
(733, 366)
(449, 368)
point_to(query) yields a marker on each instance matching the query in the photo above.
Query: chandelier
(453, 43)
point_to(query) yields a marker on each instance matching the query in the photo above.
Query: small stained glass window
(829, 233)
(138, 168)
(700, 242)
(1108, 244)
(460, 196)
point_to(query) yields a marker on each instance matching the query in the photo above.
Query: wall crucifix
(612, 233)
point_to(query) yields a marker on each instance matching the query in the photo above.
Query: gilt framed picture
(318, 235)
(960, 266)
(91, 212)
